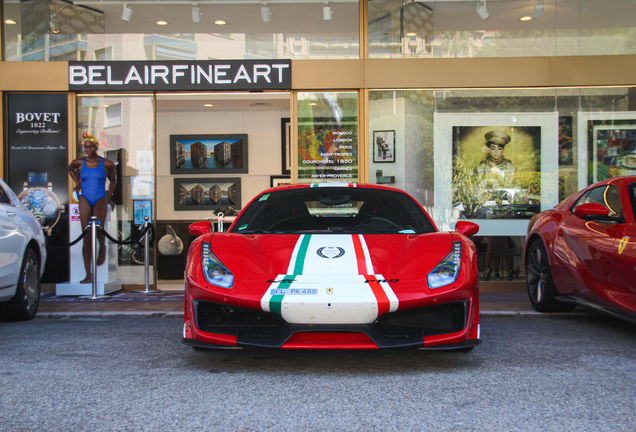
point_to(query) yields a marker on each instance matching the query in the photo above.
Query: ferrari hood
(250, 257)
(333, 278)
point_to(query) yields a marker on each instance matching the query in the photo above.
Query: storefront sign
(215, 75)
(38, 167)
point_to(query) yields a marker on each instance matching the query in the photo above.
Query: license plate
(294, 291)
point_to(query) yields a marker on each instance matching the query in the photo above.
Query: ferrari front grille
(225, 319)
(426, 321)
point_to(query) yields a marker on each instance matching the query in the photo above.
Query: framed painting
(610, 138)
(384, 146)
(495, 169)
(208, 154)
(285, 145)
(279, 180)
(207, 193)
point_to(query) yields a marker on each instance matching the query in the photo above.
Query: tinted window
(607, 196)
(4, 197)
(334, 210)
(632, 196)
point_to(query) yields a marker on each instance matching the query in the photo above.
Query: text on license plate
(294, 291)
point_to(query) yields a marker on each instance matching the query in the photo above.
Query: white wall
(263, 148)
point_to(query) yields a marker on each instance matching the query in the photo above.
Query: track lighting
(196, 13)
(481, 10)
(55, 26)
(127, 14)
(538, 9)
(327, 11)
(266, 14)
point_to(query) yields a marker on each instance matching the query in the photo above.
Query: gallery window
(499, 156)
(124, 128)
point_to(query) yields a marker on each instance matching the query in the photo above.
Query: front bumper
(447, 324)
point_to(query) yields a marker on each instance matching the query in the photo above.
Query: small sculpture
(170, 244)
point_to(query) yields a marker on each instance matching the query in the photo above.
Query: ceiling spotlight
(525, 18)
(266, 14)
(162, 23)
(127, 14)
(327, 11)
(55, 26)
(196, 13)
(481, 10)
(9, 21)
(538, 9)
(220, 22)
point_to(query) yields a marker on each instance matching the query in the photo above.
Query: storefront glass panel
(40, 30)
(124, 127)
(454, 28)
(499, 156)
(327, 137)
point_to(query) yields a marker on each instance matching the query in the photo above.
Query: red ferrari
(583, 251)
(332, 266)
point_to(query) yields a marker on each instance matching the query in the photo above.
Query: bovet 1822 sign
(214, 75)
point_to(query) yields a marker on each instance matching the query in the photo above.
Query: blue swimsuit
(93, 182)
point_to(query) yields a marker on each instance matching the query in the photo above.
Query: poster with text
(327, 151)
(38, 167)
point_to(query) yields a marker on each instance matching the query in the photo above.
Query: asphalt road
(120, 374)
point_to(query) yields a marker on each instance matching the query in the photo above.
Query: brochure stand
(107, 281)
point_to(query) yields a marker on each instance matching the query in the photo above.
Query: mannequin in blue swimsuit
(90, 174)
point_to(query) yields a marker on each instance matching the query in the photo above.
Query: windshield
(334, 210)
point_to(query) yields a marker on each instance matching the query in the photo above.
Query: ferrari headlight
(447, 270)
(214, 270)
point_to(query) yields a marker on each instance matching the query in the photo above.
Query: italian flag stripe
(295, 268)
(384, 305)
(383, 301)
(362, 265)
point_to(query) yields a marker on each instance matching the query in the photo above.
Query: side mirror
(466, 228)
(591, 210)
(200, 228)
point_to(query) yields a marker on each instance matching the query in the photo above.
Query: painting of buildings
(222, 153)
(198, 155)
(215, 193)
(179, 156)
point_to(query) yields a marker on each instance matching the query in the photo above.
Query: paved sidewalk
(171, 303)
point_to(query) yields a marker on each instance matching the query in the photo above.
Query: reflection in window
(296, 31)
(399, 29)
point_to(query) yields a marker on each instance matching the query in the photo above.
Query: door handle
(11, 214)
(560, 232)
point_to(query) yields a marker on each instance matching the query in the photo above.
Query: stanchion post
(93, 223)
(147, 289)
(219, 227)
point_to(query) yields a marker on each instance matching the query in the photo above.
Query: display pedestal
(86, 289)
(107, 281)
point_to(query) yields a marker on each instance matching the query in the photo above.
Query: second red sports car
(583, 251)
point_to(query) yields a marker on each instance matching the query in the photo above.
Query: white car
(22, 258)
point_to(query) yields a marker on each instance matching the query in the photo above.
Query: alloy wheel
(537, 274)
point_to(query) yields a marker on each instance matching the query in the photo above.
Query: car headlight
(447, 270)
(214, 271)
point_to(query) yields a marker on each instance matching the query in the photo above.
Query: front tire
(24, 304)
(541, 289)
